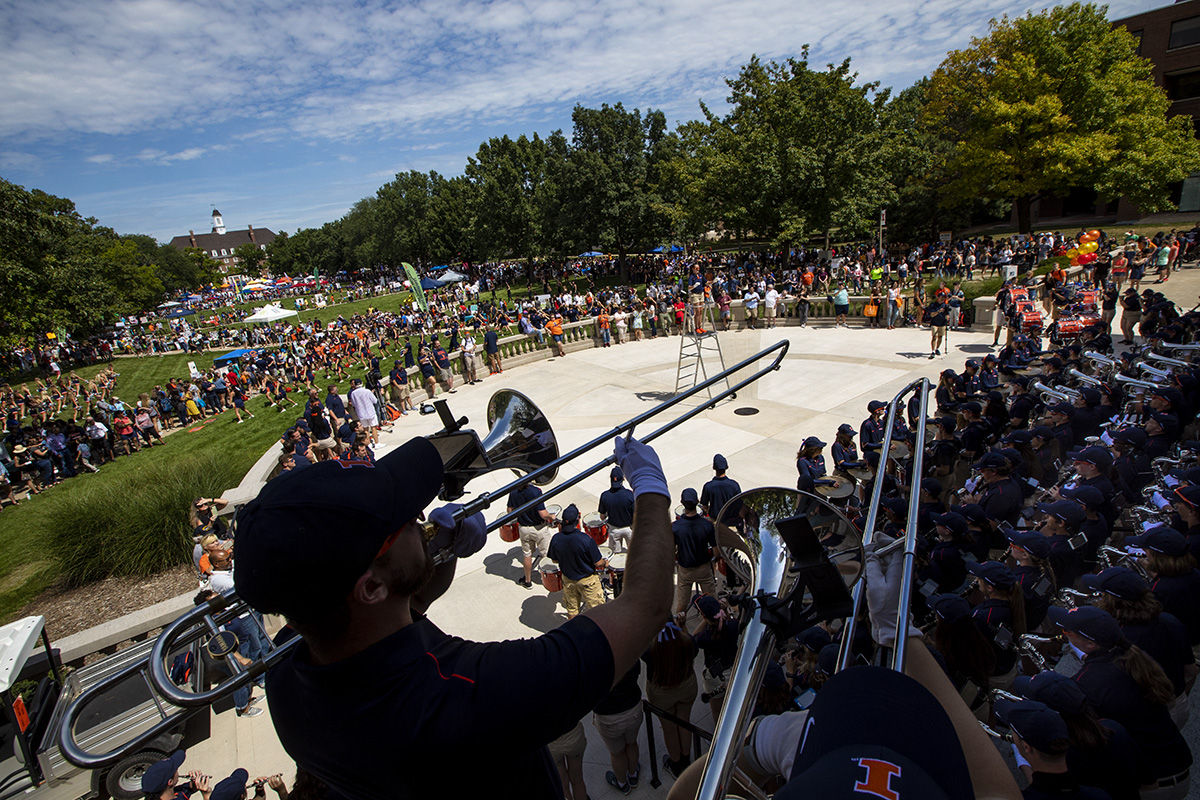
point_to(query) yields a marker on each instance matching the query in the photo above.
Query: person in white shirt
(363, 402)
(770, 301)
(750, 300)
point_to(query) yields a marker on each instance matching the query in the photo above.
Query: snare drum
(553, 511)
(900, 451)
(510, 532)
(616, 573)
(841, 488)
(593, 526)
(861, 473)
(551, 578)
(606, 553)
(679, 510)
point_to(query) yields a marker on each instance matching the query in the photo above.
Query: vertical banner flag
(415, 279)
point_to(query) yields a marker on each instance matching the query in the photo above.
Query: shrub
(137, 527)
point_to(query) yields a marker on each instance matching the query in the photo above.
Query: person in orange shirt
(605, 328)
(556, 333)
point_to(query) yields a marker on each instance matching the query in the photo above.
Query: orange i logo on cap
(879, 778)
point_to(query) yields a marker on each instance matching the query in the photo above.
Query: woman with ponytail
(671, 687)
(1102, 753)
(1031, 552)
(1000, 617)
(1124, 684)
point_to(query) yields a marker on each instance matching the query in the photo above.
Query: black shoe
(527, 584)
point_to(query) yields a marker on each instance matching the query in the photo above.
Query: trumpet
(520, 440)
(1175, 362)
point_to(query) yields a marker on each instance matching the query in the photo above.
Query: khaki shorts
(586, 592)
(940, 330)
(535, 539)
(325, 444)
(445, 375)
(399, 391)
(769, 312)
(668, 698)
(570, 745)
(620, 729)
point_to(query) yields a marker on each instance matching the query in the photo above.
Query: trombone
(520, 439)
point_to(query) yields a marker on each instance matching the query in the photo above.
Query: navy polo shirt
(694, 536)
(1166, 641)
(519, 497)
(575, 552)
(1180, 597)
(617, 504)
(334, 403)
(491, 342)
(1002, 501)
(398, 376)
(398, 719)
(716, 493)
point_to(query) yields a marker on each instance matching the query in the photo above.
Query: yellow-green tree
(1052, 101)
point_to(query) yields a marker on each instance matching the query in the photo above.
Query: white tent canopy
(450, 276)
(270, 313)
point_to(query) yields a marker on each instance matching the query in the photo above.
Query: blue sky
(283, 113)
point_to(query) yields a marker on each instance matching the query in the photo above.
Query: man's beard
(412, 578)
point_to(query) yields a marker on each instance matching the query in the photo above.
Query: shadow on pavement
(540, 611)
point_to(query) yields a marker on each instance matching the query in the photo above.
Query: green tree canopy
(1052, 101)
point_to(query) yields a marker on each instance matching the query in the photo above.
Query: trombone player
(377, 701)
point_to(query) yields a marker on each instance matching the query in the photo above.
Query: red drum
(1019, 293)
(510, 532)
(1026, 307)
(721, 566)
(1075, 326)
(593, 526)
(551, 578)
(1090, 298)
(1031, 321)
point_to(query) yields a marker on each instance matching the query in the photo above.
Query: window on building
(1182, 85)
(222, 251)
(214, 253)
(1184, 33)
(1137, 35)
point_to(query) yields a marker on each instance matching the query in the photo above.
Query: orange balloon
(1094, 234)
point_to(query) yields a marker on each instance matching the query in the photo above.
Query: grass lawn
(28, 532)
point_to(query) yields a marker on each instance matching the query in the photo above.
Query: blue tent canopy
(590, 254)
(232, 356)
(431, 283)
(672, 249)
(176, 313)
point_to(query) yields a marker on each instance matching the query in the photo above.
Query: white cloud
(101, 158)
(331, 70)
(14, 160)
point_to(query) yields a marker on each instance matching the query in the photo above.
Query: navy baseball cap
(1161, 539)
(1052, 688)
(951, 519)
(1068, 511)
(1054, 361)
(1043, 432)
(1187, 494)
(1066, 409)
(875, 405)
(1031, 542)
(1020, 380)
(719, 462)
(285, 531)
(1167, 421)
(1134, 436)
(1099, 457)
(814, 638)
(708, 605)
(569, 514)
(874, 727)
(1188, 475)
(897, 505)
(231, 788)
(994, 572)
(1170, 394)
(1088, 495)
(813, 441)
(1018, 437)
(616, 475)
(689, 496)
(1120, 582)
(1091, 396)
(931, 485)
(950, 607)
(847, 429)
(157, 776)
(991, 461)
(1040, 726)
(973, 512)
(946, 423)
(972, 406)
(1089, 622)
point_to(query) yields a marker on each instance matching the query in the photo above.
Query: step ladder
(694, 348)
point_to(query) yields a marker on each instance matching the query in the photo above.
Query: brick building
(220, 244)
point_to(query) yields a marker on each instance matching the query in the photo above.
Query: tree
(512, 179)
(251, 257)
(1057, 100)
(611, 190)
(800, 153)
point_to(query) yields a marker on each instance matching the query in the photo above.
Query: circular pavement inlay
(745, 411)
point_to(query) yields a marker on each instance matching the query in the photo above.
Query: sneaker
(249, 711)
(522, 582)
(633, 777)
(669, 765)
(611, 778)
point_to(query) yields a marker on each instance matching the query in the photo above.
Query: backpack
(181, 668)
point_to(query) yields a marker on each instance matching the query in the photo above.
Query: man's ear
(370, 588)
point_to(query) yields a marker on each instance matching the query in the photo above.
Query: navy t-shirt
(618, 505)
(423, 714)
(693, 538)
(716, 493)
(519, 497)
(334, 403)
(575, 552)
